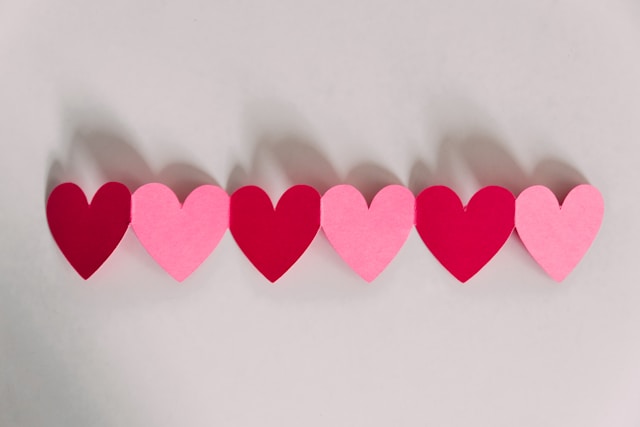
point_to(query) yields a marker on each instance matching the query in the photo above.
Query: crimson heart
(464, 239)
(274, 239)
(88, 233)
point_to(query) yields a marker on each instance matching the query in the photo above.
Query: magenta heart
(179, 237)
(87, 233)
(273, 238)
(464, 238)
(557, 237)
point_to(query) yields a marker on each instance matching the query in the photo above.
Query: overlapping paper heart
(464, 239)
(557, 236)
(180, 236)
(88, 233)
(367, 237)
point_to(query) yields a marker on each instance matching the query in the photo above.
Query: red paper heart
(88, 233)
(464, 239)
(273, 240)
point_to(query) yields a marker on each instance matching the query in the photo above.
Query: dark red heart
(273, 240)
(464, 239)
(88, 233)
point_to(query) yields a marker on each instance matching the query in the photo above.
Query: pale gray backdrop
(463, 93)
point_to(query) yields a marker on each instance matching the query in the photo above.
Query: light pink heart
(179, 237)
(367, 238)
(557, 237)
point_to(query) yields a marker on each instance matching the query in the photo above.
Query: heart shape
(464, 239)
(367, 237)
(557, 237)
(178, 236)
(274, 239)
(88, 233)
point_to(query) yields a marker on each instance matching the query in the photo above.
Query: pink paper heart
(557, 237)
(367, 238)
(179, 237)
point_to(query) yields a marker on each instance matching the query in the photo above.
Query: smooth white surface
(463, 93)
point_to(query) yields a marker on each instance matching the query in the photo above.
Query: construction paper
(367, 237)
(557, 237)
(464, 239)
(178, 236)
(274, 239)
(88, 233)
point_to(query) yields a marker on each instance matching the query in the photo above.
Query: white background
(462, 93)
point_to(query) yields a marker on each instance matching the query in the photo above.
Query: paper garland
(463, 239)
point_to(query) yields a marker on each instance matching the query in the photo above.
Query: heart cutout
(178, 236)
(558, 236)
(274, 239)
(367, 237)
(464, 239)
(87, 233)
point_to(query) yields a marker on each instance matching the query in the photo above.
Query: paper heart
(557, 237)
(273, 240)
(88, 233)
(464, 239)
(179, 237)
(367, 237)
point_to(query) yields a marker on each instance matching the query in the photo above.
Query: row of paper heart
(463, 238)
